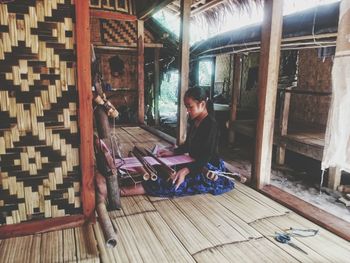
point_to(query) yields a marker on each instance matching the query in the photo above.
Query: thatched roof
(315, 24)
(214, 12)
(210, 7)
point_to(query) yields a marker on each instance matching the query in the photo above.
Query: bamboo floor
(238, 226)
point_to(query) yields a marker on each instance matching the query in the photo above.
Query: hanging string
(313, 27)
(321, 182)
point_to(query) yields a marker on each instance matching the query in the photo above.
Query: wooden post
(156, 86)
(268, 76)
(237, 72)
(82, 15)
(184, 68)
(140, 71)
(334, 176)
(283, 126)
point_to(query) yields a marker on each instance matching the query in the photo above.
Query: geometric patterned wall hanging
(115, 32)
(39, 140)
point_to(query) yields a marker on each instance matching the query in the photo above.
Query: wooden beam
(40, 226)
(283, 127)
(153, 8)
(309, 211)
(129, 47)
(140, 71)
(237, 72)
(184, 42)
(112, 15)
(85, 106)
(304, 148)
(156, 87)
(268, 77)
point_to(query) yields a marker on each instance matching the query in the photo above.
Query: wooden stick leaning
(109, 233)
(106, 166)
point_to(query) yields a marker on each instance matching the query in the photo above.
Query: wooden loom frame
(82, 13)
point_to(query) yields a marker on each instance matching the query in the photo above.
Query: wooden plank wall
(114, 33)
(39, 140)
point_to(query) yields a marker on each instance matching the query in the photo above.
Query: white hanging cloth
(337, 140)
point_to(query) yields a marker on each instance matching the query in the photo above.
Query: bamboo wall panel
(248, 94)
(115, 33)
(314, 74)
(39, 140)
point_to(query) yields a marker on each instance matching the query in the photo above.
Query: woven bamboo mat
(208, 220)
(260, 198)
(140, 135)
(86, 244)
(156, 198)
(20, 249)
(219, 215)
(129, 137)
(51, 249)
(123, 136)
(259, 250)
(248, 206)
(133, 205)
(320, 248)
(70, 245)
(70, 254)
(147, 237)
(183, 228)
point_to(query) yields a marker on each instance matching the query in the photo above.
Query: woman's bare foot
(132, 190)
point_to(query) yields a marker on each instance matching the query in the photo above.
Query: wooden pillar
(184, 68)
(268, 76)
(283, 126)
(85, 106)
(156, 86)
(237, 72)
(140, 71)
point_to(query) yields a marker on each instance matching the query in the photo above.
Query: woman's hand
(165, 152)
(179, 177)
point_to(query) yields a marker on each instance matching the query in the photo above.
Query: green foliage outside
(205, 72)
(168, 93)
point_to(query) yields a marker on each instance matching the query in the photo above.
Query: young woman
(202, 145)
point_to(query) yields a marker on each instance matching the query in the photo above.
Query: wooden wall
(110, 38)
(314, 74)
(39, 141)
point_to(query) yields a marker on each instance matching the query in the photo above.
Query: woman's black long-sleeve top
(201, 144)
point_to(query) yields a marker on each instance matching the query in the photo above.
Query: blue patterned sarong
(193, 184)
